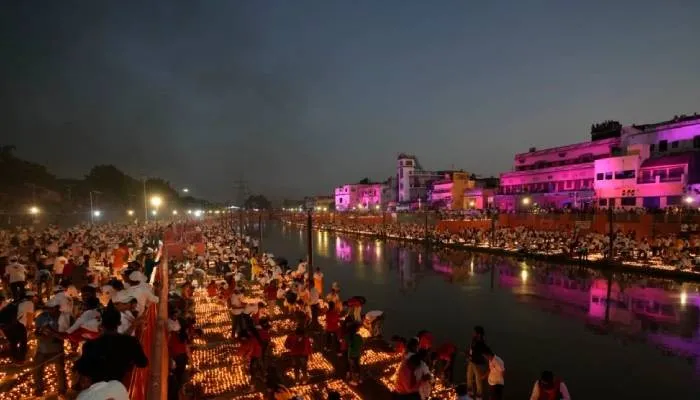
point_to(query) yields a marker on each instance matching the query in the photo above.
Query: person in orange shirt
(120, 256)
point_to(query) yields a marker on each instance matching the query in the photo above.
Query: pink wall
(572, 151)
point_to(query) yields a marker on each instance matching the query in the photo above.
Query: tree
(257, 201)
(364, 181)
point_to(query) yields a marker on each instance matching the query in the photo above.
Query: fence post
(159, 355)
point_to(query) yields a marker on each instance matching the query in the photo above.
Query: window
(409, 163)
(628, 201)
(675, 172)
(673, 200)
(663, 145)
(661, 173)
(401, 186)
(401, 173)
(340, 200)
(608, 176)
(599, 176)
(674, 144)
(696, 142)
(603, 202)
(628, 174)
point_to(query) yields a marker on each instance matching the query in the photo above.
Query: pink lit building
(651, 166)
(359, 196)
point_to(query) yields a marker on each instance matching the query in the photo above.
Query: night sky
(300, 96)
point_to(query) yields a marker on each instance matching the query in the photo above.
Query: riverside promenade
(439, 236)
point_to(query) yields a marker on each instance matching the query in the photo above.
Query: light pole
(92, 208)
(309, 246)
(145, 202)
(156, 202)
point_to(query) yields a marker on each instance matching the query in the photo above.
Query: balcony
(659, 179)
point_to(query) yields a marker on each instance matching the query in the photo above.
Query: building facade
(359, 196)
(448, 193)
(651, 166)
(413, 181)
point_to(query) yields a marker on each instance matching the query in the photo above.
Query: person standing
(318, 280)
(58, 265)
(355, 343)
(299, 346)
(16, 274)
(50, 347)
(495, 379)
(477, 365)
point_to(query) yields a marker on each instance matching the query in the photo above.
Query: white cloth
(112, 390)
(89, 320)
(127, 319)
(143, 295)
(237, 304)
(59, 264)
(16, 272)
(24, 309)
(496, 370)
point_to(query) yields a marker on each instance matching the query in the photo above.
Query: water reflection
(663, 313)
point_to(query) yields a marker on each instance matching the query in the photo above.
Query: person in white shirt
(58, 266)
(25, 310)
(112, 390)
(495, 378)
(87, 325)
(237, 308)
(141, 291)
(16, 274)
(125, 304)
(549, 387)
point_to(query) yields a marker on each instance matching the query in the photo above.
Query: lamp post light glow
(34, 210)
(189, 211)
(154, 212)
(97, 213)
(688, 200)
(130, 213)
(186, 190)
(174, 212)
(526, 201)
(156, 201)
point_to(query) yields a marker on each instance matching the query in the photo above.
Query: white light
(154, 212)
(156, 201)
(684, 298)
(198, 213)
(189, 211)
(689, 199)
(186, 190)
(526, 200)
(34, 210)
(130, 212)
(174, 212)
(218, 212)
(97, 213)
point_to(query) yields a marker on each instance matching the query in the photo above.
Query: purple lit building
(653, 166)
(360, 196)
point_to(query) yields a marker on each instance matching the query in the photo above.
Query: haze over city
(300, 97)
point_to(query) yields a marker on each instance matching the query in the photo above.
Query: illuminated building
(448, 193)
(413, 181)
(652, 166)
(359, 196)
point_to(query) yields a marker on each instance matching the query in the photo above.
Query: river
(537, 315)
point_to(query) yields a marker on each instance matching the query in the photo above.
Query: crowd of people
(670, 251)
(82, 294)
(259, 288)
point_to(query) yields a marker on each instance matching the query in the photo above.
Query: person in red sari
(299, 346)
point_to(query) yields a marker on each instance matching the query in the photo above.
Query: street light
(97, 213)
(156, 201)
(526, 201)
(154, 212)
(34, 210)
(174, 212)
(688, 200)
(189, 211)
(131, 213)
(186, 190)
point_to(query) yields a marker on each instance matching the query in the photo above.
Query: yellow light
(189, 211)
(174, 212)
(472, 203)
(130, 212)
(154, 212)
(156, 201)
(526, 200)
(684, 298)
(523, 275)
(34, 210)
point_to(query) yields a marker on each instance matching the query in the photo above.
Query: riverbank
(602, 264)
